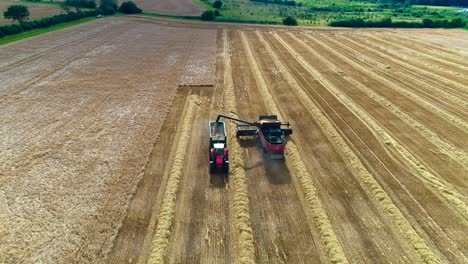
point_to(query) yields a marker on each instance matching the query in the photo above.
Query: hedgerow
(388, 23)
(42, 23)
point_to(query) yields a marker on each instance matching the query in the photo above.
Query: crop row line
(245, 240)
(168, 205)
(424, 174)
(456, 120)
(444, 52)
(315, 211)
(437, 79)
(415, 78)
(396, 51)
(446, 147)
(414, 51)
(369, 183)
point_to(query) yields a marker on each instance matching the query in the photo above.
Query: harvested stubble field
(376, 170)
(80, 112)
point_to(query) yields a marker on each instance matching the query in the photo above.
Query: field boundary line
(367, 180)
(380, 39)
(455, 120)
(245, 239)
(168, 204)
(401, 61)
(315, 210)
(453, 97)
(425, 175)
(446, 147)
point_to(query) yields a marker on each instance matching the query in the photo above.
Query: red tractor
(270, 132)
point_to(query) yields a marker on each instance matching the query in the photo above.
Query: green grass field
(322, 12)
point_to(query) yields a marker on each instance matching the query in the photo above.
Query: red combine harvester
(269, 131)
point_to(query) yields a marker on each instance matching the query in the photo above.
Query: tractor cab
(219, 155)
(218, 148)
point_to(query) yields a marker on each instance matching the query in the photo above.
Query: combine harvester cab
(219, 154)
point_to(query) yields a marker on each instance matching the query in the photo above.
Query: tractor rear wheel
(212, 168)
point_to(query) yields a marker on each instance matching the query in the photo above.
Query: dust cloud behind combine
(95, 126)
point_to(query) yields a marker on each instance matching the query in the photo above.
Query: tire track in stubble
(55, 48)
(245, 239)
(447, 148)
(420, 79)
(315, 208)
(432, 180)
(422, 54)
(57, 125)
(369, 184)
(435, 78)
(168, 204)
(411, 95)
(110, 34)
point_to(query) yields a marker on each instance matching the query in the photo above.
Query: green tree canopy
(208, 15)
(217, 4)
(17, 12)
(290, 21)
(129, 8)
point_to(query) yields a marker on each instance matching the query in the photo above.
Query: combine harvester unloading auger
(268, 130)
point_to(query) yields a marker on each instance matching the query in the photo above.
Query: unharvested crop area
(375, 172)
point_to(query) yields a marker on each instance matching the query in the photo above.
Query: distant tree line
(440, 2)
(279, 2)
(81, 3)
(388, 23)
(21, 14)
(429, 2)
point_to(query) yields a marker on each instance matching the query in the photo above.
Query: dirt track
(376, 170)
